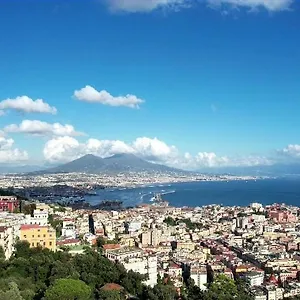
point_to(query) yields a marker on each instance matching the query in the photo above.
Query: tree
(111, 295)
(170, 221)
(222, 288)
(68, 289)
(28, 209)
(13, 293)
(100, 242)
(22, 249)
(2, 253)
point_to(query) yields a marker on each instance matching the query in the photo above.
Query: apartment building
(7, 241)
(39, 217)
(9, 203)
(36, 235)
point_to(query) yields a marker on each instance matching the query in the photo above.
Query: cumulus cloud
(8, 154)
(63, 149)
(154, 149)
(90, 94)
(145, 5)
(270, 5)
(292, 151)
(26, 105)
(66, 148)
(36, 127)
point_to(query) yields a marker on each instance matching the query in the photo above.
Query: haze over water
(195, 194)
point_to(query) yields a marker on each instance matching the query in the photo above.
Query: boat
(158, 201)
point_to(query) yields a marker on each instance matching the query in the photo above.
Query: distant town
(72, 187)
(257, 244)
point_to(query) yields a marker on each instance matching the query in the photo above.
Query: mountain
(88, 163)
(114, 164)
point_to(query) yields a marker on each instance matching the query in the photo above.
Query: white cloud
(134, 6)
(8, 154)
(292, 151)
(27, 105)
(90, 94)
(36, 127)
(270, 5)
(145, 5)
(210, 159)
(154, 149)
(63, 149)
(66, 148)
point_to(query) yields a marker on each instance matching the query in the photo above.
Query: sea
(200, 193)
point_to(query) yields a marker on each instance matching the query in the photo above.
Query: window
(50, 243)
(44, 235)
(33, 235)
(44, 243)
(32, 244)
(39, 235)
(25, 236)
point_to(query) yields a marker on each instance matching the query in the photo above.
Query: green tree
(2, 253)
(100, 242)
(13, 293)
(111, 295)
(22, 249)
(28, 209)
(56, 224)
(170, 221)
(222, 288)
(68, 289)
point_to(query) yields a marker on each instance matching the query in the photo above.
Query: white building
(68, 229)
(199, 275)
(146, 265)
(255, 278)
(40, 217)
(7, 241)
(134, 226)
(134, 259)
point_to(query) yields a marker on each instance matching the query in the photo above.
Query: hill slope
(114, 164)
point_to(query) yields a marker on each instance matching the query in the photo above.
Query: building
(7, 241)
(199, 275)
(146, 238)
(36, 235)
(39, 217)
(134, 259)
(144, 265)
(68, 228)
(9, 203)
(255, 278)
(155, 237)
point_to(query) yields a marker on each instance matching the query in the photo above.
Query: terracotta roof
(112, 287)
(174, 266)
(2, 228)
(31, 226)
(111, 246)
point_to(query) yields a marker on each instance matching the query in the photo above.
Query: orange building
(39, 236)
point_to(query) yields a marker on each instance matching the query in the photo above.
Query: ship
(158, 201)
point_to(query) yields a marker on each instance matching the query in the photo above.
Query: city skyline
(189, 84)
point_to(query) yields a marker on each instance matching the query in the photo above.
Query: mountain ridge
(116, 163)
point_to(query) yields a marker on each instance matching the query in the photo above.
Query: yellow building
(36, 235)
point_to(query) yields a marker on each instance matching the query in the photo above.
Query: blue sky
(212, 82)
